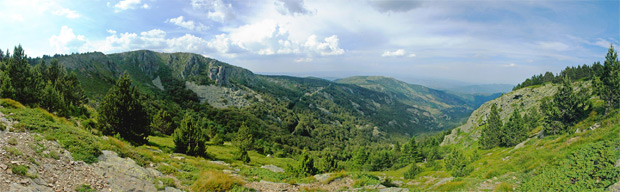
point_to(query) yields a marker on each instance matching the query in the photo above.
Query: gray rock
(394, 189)
(322, 177)
(273, 168)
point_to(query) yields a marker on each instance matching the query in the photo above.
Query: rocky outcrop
(218, 73)
(525, 98)
(51, 168)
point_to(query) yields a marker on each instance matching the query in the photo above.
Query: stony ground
(51, 168)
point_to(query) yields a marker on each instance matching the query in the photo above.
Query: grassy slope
(85, 145)
(504, 168)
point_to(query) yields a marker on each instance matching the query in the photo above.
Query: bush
(588, 168)
(215, 181)
(10, 103)
(190, 138)
(12, 150)
(20, 170)
(12, 141)
(412, 171)
(165, 169)
(85, 188)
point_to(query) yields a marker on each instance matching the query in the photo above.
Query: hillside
(451, 108)
(222, 85)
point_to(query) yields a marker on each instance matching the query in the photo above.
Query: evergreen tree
(24, 82)
(244, 138)
(122, 112)
(572, 106)
(491, 134)
(52, 101)
(6, 87)
(412, 171)
(242, 155)
(190, 138)
(162, 122)
(608, 84)
(306, 165)
(514, 130)
(360, 157)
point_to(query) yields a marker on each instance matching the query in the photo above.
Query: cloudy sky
(473, 41)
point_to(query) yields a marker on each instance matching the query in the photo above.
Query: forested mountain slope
(170, 75)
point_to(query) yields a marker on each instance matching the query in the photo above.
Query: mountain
(450, 107)
(483, 89)
(391, 107)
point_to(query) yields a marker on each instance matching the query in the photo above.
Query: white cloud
(217, 10)
(397, 53)
(130, 4)
(187, 24)
(557, 46)
(328, 47)
(67, 41)
(71, 14)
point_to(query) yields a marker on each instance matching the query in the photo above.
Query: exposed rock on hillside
(51, 168)
(525, 98)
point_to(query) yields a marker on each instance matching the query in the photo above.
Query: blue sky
(473, 41)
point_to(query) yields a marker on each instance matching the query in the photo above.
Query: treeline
(46, 85)
(583, 72)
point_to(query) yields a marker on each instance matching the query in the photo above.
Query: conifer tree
(514, 130)
(190, 138)
(122, 112)
(306, 165)
(162, 122)
(571, 106)
(607, 85)
(6, 87)
(491, 134)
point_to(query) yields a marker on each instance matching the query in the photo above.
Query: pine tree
(244, 138)
(491, 134)
(190, 138)
(162, 122)
(6, 87)
(608, 84)
(52, 100)
(514, 130)
(306, 165)
(572, 106)
(122, 112)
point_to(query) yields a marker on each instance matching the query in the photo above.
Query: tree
(491, 134)
(456, 162)
(607, 86)
(572, 106)
(122, 112)
(412, 171)
(52, 100)
(306, 165)
(190, 138)
(26, 83)
(514, 130)
(244, 138)
(6, 87)
(162, 122)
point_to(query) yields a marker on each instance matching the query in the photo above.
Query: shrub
(20, 170)
(10, 103)
(215, 181)
(12, 150)
(85, 188)
(165, 169)
(12, 141)
(412, 171)
(588, 168)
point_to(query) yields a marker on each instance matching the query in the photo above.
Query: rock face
(123, 174)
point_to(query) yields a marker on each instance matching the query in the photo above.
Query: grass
(215, 181)
(20, 169)
(12, 151)
(12, 141)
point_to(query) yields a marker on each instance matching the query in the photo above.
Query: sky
(475, 41)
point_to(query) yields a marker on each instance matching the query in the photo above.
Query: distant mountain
(450, 107)
(483, 89)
